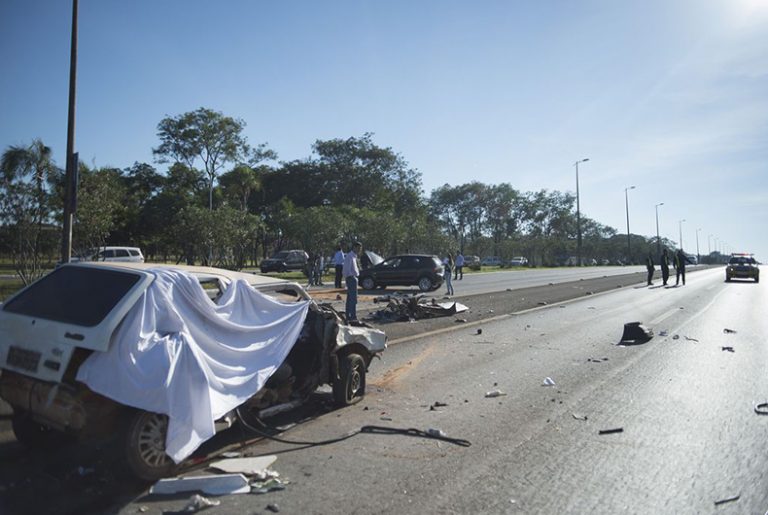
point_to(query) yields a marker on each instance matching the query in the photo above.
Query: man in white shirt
(338, 263)
(351, 271)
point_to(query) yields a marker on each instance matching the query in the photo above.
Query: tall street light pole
(658, 238)
(578, 209)
(680, 225)
(709, 244)
(626, 202)
(698, 256)
(70, 188)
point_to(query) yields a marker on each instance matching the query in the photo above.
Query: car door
(386, 272)
(408, 273)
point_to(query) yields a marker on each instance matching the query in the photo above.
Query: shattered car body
(139, 350)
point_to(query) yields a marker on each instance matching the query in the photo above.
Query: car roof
(198, 271)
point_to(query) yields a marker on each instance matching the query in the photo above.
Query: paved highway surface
(690, 440)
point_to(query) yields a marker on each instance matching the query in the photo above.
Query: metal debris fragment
(406, 308)
(727, 348)
(197, 502)
(494, 393)
(762, 408)
(579, 417)
(548, 381)
(728, 331)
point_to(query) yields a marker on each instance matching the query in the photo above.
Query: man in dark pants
(680, 260)
(351, 272)
(665, 266)
(338, 264)
(650, 268)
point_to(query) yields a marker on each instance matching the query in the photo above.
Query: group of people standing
(679, 262)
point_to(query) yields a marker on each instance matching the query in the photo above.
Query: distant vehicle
(491, 261)
(471, 261)
(742, 266)
(420, 270)
(284, 261)
(116, 254)
(692, 259)
(518, 261)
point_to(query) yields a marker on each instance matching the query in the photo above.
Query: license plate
(23, 358)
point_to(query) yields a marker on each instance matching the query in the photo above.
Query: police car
(742, 266)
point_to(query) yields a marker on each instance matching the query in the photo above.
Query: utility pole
(578, 209)
(70, 188)
(626, 201)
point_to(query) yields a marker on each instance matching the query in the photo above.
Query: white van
(124, 254)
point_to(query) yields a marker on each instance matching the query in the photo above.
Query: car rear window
(73, 295)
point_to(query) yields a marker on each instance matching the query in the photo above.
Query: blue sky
(669, 96)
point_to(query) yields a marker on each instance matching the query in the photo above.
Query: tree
(207, 136)
(26, 206)
(100, 204)
(239, 183)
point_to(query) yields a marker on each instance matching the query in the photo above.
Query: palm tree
(25, 202)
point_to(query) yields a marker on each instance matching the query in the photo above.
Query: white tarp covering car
(175, 350)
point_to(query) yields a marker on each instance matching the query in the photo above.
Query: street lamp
(626, 201)
(698, 256)
(709, 244)
(578, 209)
(680, 224)
(658, 239)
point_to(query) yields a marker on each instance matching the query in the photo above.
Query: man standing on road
(338, 264)
(649, 267)
(680, 259)
(665, 266)
(459, 274)
(351, 272)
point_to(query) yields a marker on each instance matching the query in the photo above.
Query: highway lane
(690, 436)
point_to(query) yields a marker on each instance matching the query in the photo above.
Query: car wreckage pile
(404, 308)
(165, 356)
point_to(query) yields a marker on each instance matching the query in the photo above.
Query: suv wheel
(144, 446)
(368, 283)
(425, 284)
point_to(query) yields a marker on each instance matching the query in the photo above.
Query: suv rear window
(73, 295)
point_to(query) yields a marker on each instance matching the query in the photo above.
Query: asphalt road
(690, 435)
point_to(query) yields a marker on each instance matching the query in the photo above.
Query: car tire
(144, 446)
(426, 284)
(727, 279)
(368, 283)
(757, 279)
(349, 387)
(35, 435)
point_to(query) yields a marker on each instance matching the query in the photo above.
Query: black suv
(420, 270)
(285, 260)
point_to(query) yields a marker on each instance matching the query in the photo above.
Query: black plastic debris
(479, 331)
(762, 408)
(727, 500)
(611, 431)
(727, 348)
(728, 331)
(635, 333)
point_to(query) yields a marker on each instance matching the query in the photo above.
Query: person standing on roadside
(649, 266)
(309, 268)
(338, 264)
(447, 266)
(665, 266)
(680, 260)
(319, 263)
(459, 273)
(351, 271)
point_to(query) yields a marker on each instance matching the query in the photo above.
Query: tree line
(216, 201)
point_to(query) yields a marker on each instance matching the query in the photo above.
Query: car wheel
(144, 446)
(349, 387)
(425, 284)
(757, 279)
(727, 279)
(34, 435)
(368, 283)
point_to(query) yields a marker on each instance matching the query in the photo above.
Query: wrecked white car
(166, 356)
